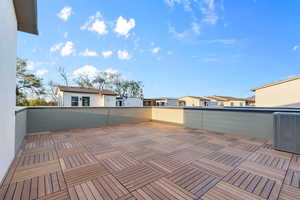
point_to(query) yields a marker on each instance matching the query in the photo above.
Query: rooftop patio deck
(147, 161)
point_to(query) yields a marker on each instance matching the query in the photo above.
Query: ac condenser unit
(287, 132)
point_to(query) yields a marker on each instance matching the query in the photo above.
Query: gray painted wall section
(20, 128)
(251, 124)
(254, 124)
(54, 119)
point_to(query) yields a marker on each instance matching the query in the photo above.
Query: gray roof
(86, 90)
(26, 13)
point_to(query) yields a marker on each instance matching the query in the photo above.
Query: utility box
(286, 132)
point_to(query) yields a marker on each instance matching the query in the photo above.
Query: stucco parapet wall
(236, 109)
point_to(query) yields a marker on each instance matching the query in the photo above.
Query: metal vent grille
(287, 132)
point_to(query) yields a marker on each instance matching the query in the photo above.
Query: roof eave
(26, 14)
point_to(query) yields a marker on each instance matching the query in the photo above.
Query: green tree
(129, 88)
(28, 84)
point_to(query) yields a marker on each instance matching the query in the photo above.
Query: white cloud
(123, 55)
(32, 64)
(172, 3)
(41, 72)
(296, 47)
(107, 54)
(124, 26)
(155, 50)
(88, 52)
(170, 53)
(95, 24)
(209, 12)
(65, 13)
(178, 35)
(87, 70)
(56, 47)
(196, 28)
(67, 49)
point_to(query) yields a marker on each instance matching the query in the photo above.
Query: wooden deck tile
(105, 188)
(289, 193)
(118, 162)
(165, 164)
(261, 186)
(137, 176)
(79, 175)
(149, 161)
(192, 179)
(161, 190)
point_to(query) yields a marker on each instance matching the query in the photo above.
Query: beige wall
(278, 95)
(168, 115)
(189, 101)
(8, 34)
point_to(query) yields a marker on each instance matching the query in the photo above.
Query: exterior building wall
(8, 34)
(278, 95)
(189, 101)
(131, 102)
(235, 103)
(67, 98)
(109, 101)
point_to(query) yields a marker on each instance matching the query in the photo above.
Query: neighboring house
(195, 101)
(160, 102)
(279, 94)
(129, 102)
(78, 96)
(228, 101)
(15, 15)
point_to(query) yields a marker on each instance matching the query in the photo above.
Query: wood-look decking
(150, 161)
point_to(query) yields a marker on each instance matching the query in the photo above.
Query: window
(85, 101)
(74, 101)
(231, 104)
(241, 104)
(222, 104)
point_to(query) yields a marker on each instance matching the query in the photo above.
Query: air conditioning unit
(287, 132)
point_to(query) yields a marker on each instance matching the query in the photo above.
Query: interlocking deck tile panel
(118, 162)
(193, 180)
(80, 175)
(38, 142)
(40, 169)
(186, 155)
(97, 147)
(37, 187)
(165, 164)
(226, 191)
(212, 168)
(295, 163)
(31, 158)
(105, 188)
(161, 190)
(77, 160)
(246, 146)
(144, 154)
(259, 185)
(271, 173)
(289, 193)
(137, 176)
(292, 178)
(270, 160)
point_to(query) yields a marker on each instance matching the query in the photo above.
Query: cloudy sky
(176, 47)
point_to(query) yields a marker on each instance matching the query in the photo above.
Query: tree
(64, 75)
(83, 80)
(127, 89)
(28, 84)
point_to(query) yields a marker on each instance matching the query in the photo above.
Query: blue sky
(176, 47)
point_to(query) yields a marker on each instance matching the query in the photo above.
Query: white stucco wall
(67, 96)
(8, 34)
(109, 101)
(132, 102)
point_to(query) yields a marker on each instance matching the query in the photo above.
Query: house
(283, 93)
(15, 15)
(164, 101)
(228, 101)
(78, 96)
(129, 102)
(195, 101)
